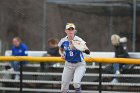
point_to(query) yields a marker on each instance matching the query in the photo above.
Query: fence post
(21, 75)
(100, 77)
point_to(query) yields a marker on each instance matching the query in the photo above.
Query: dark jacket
(121, 51)
(53, 51)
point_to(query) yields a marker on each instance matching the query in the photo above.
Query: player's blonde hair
(115, 39)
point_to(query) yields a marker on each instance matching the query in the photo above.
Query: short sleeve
(60, 44)
(81, 40)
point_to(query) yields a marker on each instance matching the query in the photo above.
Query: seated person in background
(123, 43)
(53, 50)
(18, 49)
(120, 52)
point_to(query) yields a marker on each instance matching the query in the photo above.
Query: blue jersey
(71, 55)
(20, 51)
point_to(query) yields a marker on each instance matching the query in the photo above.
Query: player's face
(70, 32)
(16, 42)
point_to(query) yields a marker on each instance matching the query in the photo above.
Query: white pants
(73, 71)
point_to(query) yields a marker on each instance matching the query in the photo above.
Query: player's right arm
(61, 52)
(61, 49)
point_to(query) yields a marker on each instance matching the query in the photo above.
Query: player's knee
(76, 85)
(64, 87)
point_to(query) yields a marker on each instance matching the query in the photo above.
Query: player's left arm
(86, 50)
(24, 50)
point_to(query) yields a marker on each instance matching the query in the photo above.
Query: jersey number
(71, 53)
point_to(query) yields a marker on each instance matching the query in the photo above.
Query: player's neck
(70, 37)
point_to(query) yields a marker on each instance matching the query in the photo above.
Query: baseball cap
(69, 25)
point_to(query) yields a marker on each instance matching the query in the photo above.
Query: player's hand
(87, 51)
(63, 57)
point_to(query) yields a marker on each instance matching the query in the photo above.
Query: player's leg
(116, 69)
(15, 66)
(66, 78)
(78, 75)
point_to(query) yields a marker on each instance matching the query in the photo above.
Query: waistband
(73, 62)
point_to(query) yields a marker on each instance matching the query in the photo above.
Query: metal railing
(56, 59)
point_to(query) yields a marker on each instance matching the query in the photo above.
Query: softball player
(75, 65)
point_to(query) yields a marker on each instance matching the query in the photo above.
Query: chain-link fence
(95, 21)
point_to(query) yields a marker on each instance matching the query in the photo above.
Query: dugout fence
(96, 79)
